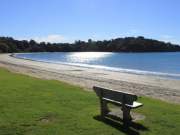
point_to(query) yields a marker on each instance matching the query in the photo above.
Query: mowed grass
(30, 106)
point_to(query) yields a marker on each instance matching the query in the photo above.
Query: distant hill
(128, 44)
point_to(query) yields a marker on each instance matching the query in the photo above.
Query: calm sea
(159, 64)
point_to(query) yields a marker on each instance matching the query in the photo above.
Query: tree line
(127, 44)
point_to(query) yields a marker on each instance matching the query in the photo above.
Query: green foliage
(30, 106)
(128, 44)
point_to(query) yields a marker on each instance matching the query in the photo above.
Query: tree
(4, 48)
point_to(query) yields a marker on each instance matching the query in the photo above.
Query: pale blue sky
(69, 20)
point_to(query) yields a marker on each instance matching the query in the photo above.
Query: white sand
(156, 87)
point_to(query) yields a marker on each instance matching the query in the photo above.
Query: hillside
(128, 44)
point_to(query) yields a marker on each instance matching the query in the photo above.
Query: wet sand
(142, 85)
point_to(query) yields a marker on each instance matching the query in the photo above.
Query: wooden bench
(126, 101)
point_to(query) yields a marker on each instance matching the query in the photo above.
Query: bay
(159, 64)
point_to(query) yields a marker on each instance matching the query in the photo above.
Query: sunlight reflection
(88, 56)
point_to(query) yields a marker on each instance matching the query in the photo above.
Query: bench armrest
(133, 106)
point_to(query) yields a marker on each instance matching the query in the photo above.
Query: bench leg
(126, 115)
(104, 108)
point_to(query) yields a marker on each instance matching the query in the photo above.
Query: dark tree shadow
(116, 122)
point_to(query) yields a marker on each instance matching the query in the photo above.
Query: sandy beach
(142, 85)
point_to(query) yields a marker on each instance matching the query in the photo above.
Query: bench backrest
(124, 98)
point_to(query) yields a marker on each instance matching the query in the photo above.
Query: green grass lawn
(30, 106)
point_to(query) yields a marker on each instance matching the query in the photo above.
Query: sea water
(166, 64)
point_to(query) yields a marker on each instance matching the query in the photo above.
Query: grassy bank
(30, 106)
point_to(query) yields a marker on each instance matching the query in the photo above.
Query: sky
(69, 20)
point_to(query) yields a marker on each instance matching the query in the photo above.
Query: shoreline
(143, 85)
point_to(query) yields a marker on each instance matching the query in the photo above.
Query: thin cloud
(51, 38)
(169, 38)
(166, 36)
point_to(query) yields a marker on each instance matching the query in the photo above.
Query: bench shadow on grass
(116, 122)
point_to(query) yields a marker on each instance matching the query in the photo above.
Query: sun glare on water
(87, 56)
